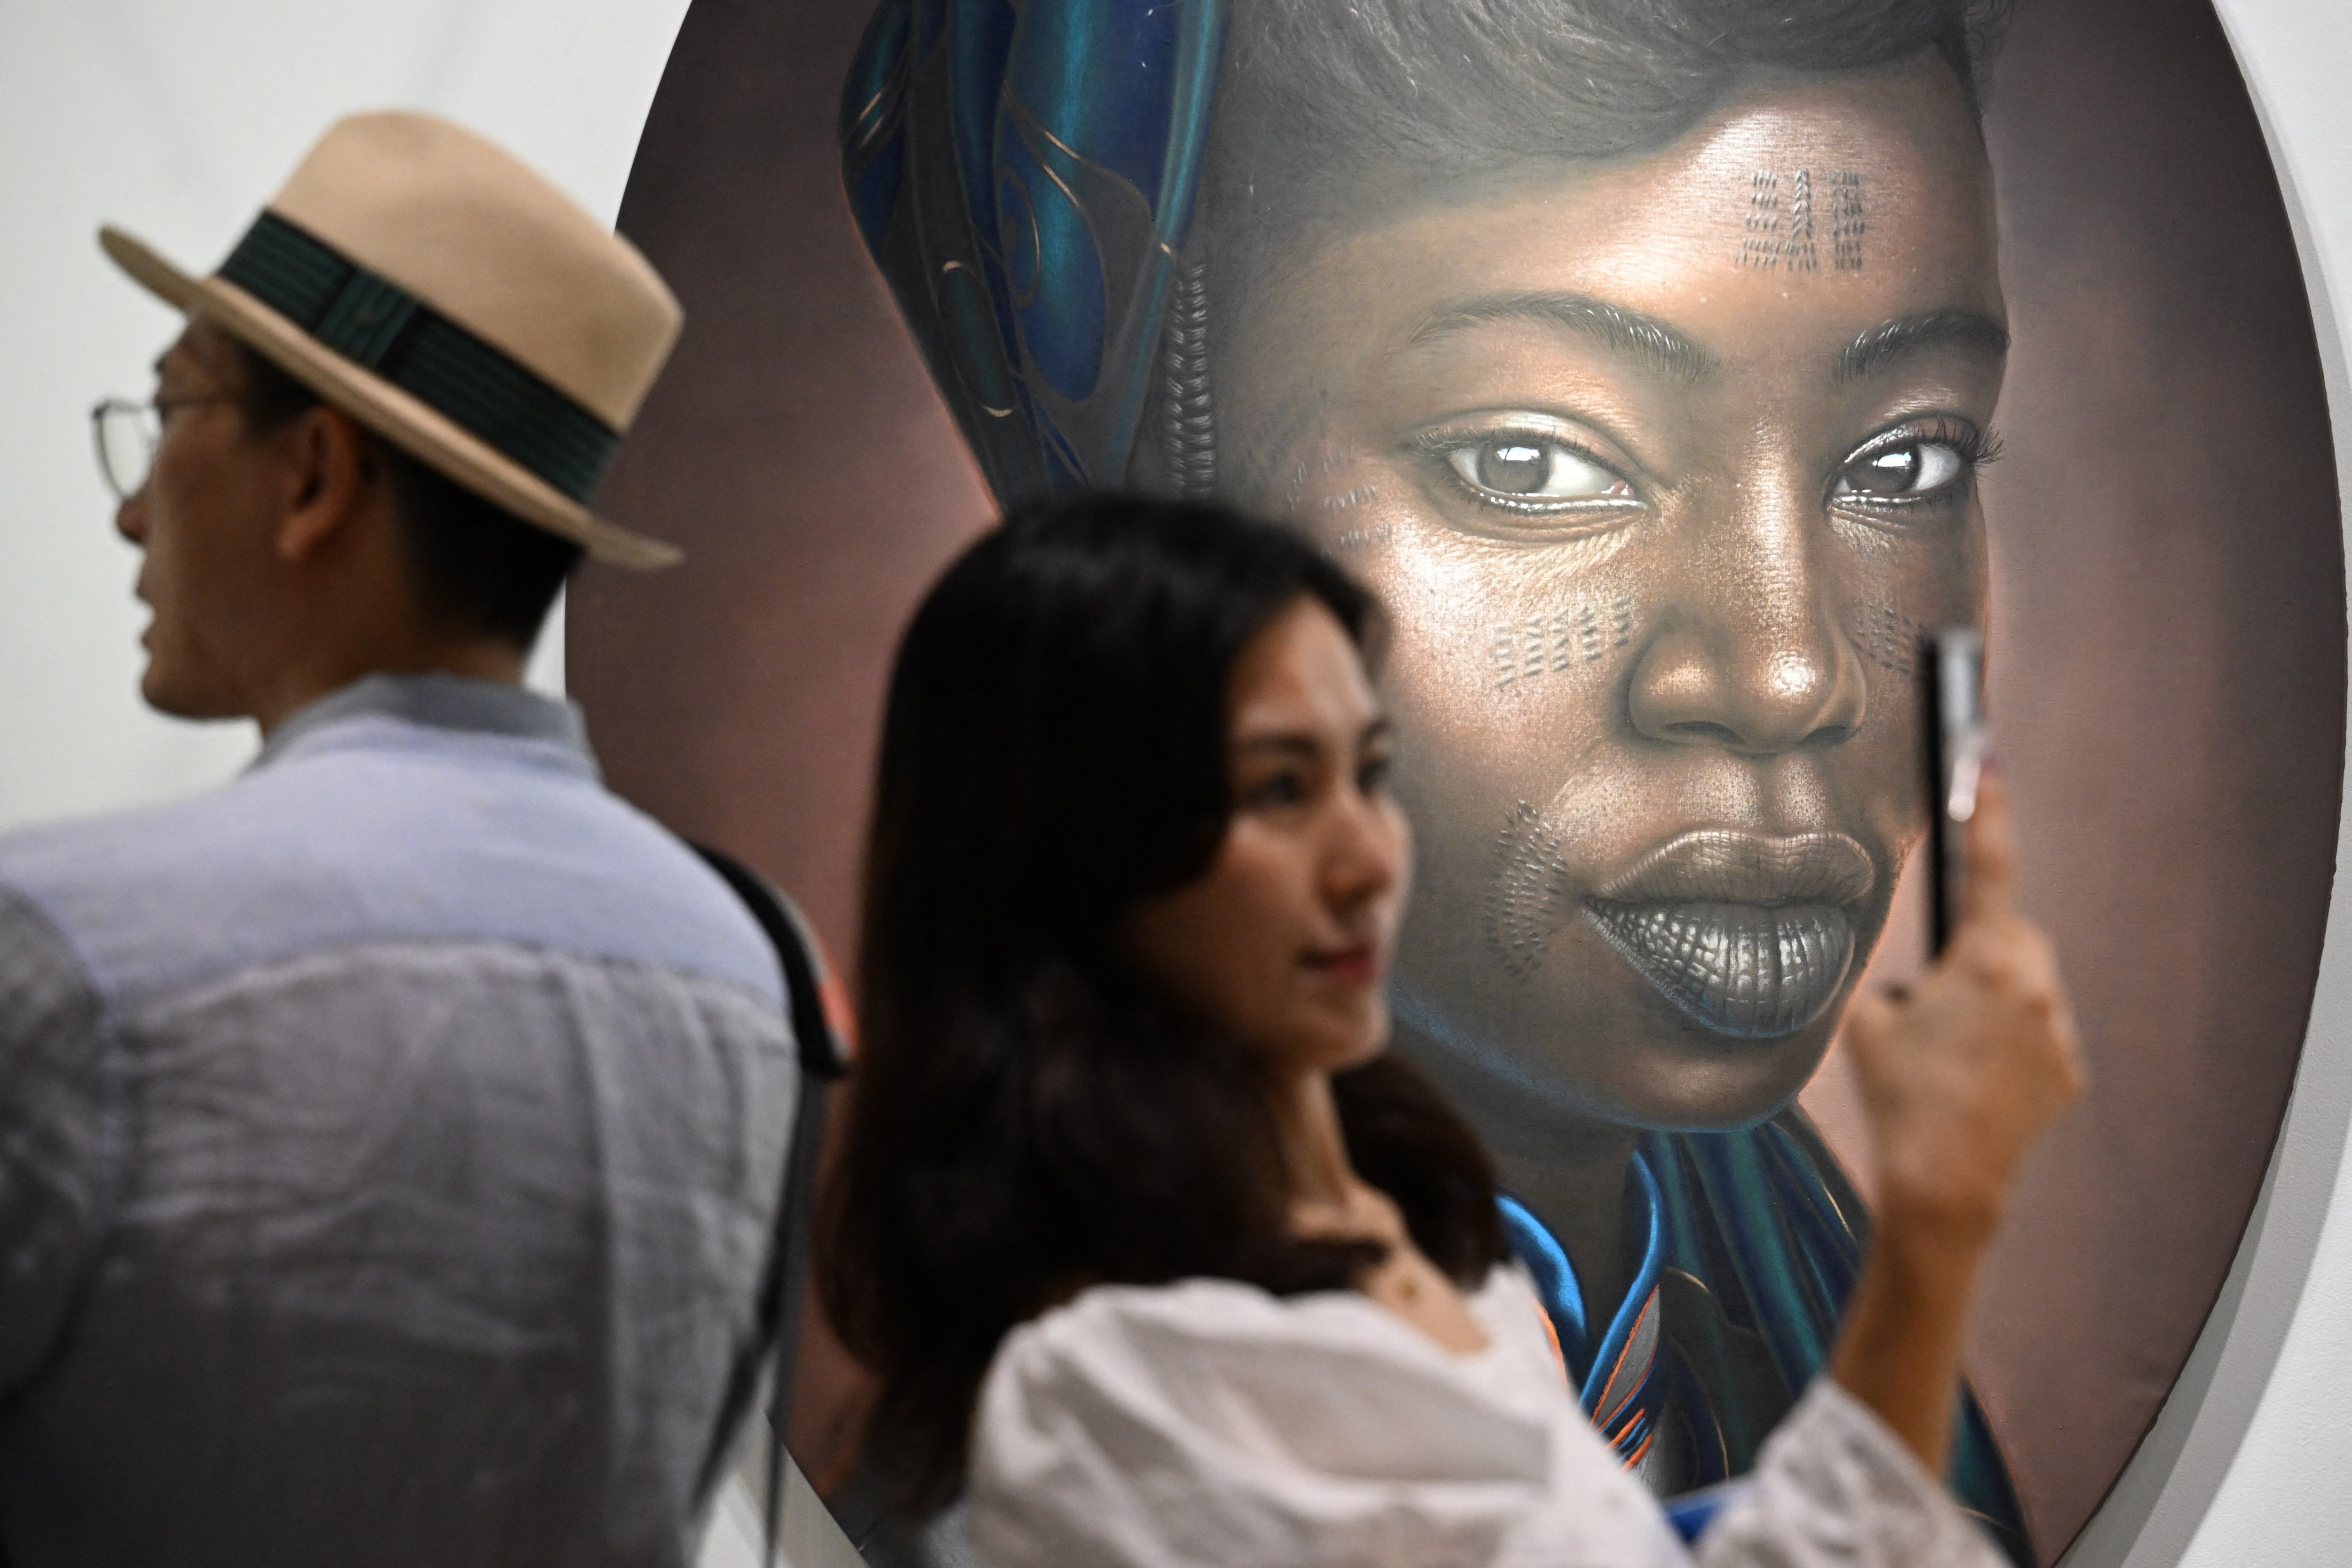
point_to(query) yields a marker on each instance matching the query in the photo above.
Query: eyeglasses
(127, 435)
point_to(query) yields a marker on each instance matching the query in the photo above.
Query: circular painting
(1668, 382)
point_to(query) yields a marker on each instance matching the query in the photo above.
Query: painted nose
(1746, 652)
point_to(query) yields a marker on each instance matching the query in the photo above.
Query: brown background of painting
(2167, 624)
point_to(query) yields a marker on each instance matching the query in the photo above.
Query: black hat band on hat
(375, 323)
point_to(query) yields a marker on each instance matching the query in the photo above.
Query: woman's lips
(1750, 934)
(1356, 965)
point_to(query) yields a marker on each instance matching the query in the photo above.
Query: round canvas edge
(2151, 1515)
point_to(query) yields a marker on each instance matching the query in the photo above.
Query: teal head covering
(1026, 178)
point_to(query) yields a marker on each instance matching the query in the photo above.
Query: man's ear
(331, 469)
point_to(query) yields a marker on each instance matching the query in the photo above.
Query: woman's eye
(1278, 789)
(1373, 777)
(1897, 473)
(1536, 469)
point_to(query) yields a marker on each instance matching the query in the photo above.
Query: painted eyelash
(1439, 447)
(1975, 448)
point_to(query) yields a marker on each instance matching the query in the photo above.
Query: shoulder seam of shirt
(395, 941)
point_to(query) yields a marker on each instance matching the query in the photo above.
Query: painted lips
(1750, 935)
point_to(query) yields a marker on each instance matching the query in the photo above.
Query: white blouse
(1211, 1423)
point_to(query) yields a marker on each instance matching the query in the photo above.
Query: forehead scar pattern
(1845, 220)
(1781, 225)
(1888, 637)
(1527, 896)
(1565, 640)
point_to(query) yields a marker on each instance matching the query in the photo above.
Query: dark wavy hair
(1025, 1118)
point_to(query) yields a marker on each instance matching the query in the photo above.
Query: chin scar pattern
(1566, 639)
(1526, 897)
(1786, 210)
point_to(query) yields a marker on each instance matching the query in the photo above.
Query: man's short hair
(477, 567)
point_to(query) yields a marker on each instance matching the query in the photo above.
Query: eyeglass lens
(127, 433)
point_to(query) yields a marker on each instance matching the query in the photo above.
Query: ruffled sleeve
(1834, 1485)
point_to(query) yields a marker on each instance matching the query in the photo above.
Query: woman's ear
(332, 468)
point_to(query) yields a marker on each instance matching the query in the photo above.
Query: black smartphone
(1952, 659)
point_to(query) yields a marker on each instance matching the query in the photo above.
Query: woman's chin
(1643, 1063)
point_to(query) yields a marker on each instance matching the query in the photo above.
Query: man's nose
(131, 516)
(1744, 650)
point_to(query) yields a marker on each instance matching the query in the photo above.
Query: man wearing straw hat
(388, 1140)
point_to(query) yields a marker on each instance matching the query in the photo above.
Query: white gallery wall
(176, 119)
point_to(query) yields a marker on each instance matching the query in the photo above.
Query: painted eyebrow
(1666, 350)
(1890, 341)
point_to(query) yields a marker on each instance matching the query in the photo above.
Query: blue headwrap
(1024, 177)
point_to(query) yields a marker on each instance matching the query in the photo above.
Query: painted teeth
(1751, 971)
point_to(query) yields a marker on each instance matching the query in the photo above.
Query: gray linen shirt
(388, 1149)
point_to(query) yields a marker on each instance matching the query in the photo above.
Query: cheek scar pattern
(1527, 896)
(1782, 222)
(1564, 640)
(1363, 538)
(1888, 637)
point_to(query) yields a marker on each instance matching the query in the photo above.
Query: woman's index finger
(1991, 889)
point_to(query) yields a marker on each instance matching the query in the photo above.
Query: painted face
(1662, 467)
(1286, 939)
(203, 520)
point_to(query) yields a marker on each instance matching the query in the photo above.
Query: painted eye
(1894, 473)
(1531, 467)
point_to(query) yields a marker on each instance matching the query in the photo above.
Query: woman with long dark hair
(1153, 1248)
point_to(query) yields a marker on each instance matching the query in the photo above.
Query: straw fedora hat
(432, 287)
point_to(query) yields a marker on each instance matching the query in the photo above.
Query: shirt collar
(440, 702)
(1588, 1348)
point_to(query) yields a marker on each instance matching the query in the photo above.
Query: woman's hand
(1960, 1074)
(1964, 1069)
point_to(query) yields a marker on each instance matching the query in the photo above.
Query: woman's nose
(1369, 852)
(1745, 650)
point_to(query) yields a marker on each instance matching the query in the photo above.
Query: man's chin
(183, 700)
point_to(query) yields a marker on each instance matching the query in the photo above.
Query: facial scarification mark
(1762, 245)
(1527, 896)
(1800, 254)
(1845, 220)
(1888, 637)
(1364, 538)
(1298, 477)
(1262, 466)
(1348, 500)
(1781, 228)
(1559, 641)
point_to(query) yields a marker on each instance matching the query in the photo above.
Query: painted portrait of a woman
(1643, 357)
